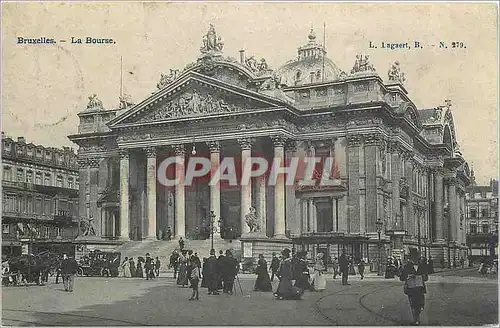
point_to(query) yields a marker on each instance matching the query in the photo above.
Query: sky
(45, 86)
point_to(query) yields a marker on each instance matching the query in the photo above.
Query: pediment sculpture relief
(191, 104)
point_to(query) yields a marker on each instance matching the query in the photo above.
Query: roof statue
(395, 73)
(211, 42)
(167, 79)
(256, 66)
(362, 64)
(448, 103)
(125, 101)
(94, 103)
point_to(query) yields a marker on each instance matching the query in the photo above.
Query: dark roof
(426, 114)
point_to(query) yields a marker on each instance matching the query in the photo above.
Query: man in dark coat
(69, 268)
(212, 273)
(149, 267)
(221, 262)
(174, 263)
(275, 265)
(344, 267)
(231, 269)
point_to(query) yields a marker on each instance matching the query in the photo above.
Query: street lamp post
(379, 224)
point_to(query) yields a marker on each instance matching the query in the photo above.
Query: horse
(34, 268)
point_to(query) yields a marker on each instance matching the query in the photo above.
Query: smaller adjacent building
(482, 219)
(40, 197)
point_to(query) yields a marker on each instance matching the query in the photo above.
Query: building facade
(481, 219)
(40, 197)
(394, 163)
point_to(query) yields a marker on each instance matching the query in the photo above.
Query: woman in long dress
(285, 289)
(415, 274)
(319, 281)
(302, 272)
(182, 278)
(126, 269)
(121, 268)
(263, 282)
(139, 273)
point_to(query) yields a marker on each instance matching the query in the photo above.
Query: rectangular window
(473, 228)
(46, 180)
(20, 175)
(7, 174)
(38, 178)
(46, 209)
(47, 232)
(29, 176)
(29, 204)
(484, 212)
(59, 181)
(38, 206)
(5, 228)
(485, 228)
(70, 182)
(473, 213)
(58, 231)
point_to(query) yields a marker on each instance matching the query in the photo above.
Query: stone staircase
(163, 249)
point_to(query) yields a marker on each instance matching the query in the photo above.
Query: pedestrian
(231, 268)
(194, 280)
(181, 244)
(352, 272)
(139, 269)
(361, 268)
(149, 267)
(69, 268)
(275, 264)
(319, 281)
(390, 268)
(126, 268)
(221, 263)
(133, 270)
(174, 263)
(414, 275)
(157, 266)
(344, 267)
(285, 289)
(262, 283)
(302, 272)
(212, 273)
(335, 267)
(204, 280)
(182, 278)
(58, 273)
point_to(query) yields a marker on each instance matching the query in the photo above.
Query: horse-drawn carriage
(98, 263)
(30, 268)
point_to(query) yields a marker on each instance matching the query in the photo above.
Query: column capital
(373, 139)
(393, 146)
(291, 145)
(245, 143)
(83, 163)
(179, 149)
(124, 153)
(93, 162)
(451, 181)
(151, 151)
(439, 170)
(353, 140)
(214, 146)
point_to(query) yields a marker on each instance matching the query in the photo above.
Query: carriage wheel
(79, 272)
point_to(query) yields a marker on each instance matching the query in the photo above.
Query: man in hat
(149, 267)
(231, 269)
(69, 268)
(221, 261)
(275, 265)
(344, 267)
(212, 273)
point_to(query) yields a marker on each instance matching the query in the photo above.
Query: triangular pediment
(195, 96)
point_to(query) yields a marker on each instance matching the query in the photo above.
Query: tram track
(54, 314)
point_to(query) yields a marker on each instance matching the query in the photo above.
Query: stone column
(214, 147)
(353, 197)
(246, 190)
(453, 208)
(261, 202)
(334, 214)
(93, 194)
(124, 194)
(180, 214)
(279, 190)
(438, 204)
(395, 178)
(151, 190)
(310, 214)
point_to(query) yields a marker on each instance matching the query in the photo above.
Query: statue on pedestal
(252, 221)
(88, 227)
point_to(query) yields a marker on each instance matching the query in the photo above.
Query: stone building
(397, 167)
(40, 197)
(481, 219)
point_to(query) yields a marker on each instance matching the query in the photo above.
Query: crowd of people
(145, 267)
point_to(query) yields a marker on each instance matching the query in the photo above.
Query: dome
(309, 65)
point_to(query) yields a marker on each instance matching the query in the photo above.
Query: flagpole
(324, 51)
(121, 76)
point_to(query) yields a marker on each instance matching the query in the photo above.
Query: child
(194, 278)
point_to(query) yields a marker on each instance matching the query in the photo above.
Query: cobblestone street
(454, 298)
